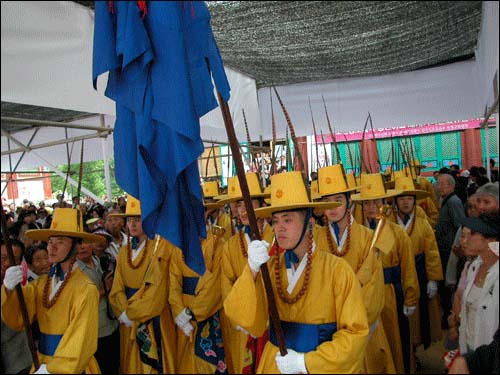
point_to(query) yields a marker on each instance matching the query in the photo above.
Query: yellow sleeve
(246, 303)
(408, 271)
(343, 353)
(11, 309)
(79, 341)
(208, 291)
(151, 298)
(432, 258)
(371, 277)
(175, 279)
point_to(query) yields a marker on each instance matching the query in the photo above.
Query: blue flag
(161, 61)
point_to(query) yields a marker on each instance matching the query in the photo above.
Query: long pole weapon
(295, 143)
(361, 158)
(332, 132)
(273, 125)
(233, 142)
(249, 141)
(315, 135)
(374, 140)
(324, 149)
(20, 296)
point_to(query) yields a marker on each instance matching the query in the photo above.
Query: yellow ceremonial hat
(332, 180)
(234, 191)
(288, 192)
(315, 190)
(373, 187)
(210, 189)
(407, 187)
(351, 181)
(66, 222)
(133, 207)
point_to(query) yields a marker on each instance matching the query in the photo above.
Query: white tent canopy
(47, 61)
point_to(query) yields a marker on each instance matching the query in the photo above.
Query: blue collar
(290, 257)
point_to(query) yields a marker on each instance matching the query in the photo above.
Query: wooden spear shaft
(233, 143)
(20, 296)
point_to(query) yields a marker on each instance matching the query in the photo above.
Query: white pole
(106, 163)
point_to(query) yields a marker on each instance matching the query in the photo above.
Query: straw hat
(332, 181)
(66, 222)
(373, 187)
(288, 192)
(133, 207)
(234, 191)
(407, 187)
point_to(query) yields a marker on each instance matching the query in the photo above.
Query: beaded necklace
(277, 274)
(129, 255)
(45, 299)
(334, 249)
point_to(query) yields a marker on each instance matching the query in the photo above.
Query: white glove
(432, 288)
(13, 276)
(124, 319)
(409, 310)
(257, 254)
(187, 329)
(292, 363)
(42, 370)
(183, 318)
(239, 328)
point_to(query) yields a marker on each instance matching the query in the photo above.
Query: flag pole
(20, 296)
(233, 143)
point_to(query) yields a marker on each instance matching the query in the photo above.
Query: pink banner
(407, 131)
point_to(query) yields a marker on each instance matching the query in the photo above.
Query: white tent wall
(452, 92)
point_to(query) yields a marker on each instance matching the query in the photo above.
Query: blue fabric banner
(161, 63)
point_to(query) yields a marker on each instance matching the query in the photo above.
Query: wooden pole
(240, 170)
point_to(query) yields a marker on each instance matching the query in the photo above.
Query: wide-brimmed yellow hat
(315, 190)
(133, 207)
(267, 190)
(351, 181)
(332, 180)
(66, 222)
(373, 187)
(234, 190)
(407, 187)
(210, 189)
(210, 194)
(288, 192)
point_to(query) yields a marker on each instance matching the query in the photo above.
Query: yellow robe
(396, 249)
(75, 316)
(424, 241)
(430, 209)
(226, 222)
(426, 185)
(204, 304)
(367, 266)
(233, 263)
(246, 305)
(151, 300)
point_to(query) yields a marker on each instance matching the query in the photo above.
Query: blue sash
(303, 337)
(129, 292)
(189, 285)
(48, 343)
(392, 275)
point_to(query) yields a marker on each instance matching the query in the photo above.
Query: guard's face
(406, 204)
(134, 224)
(242, 210)
(337, 213)
(288, 228)
(58, 248)
(371, 208)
